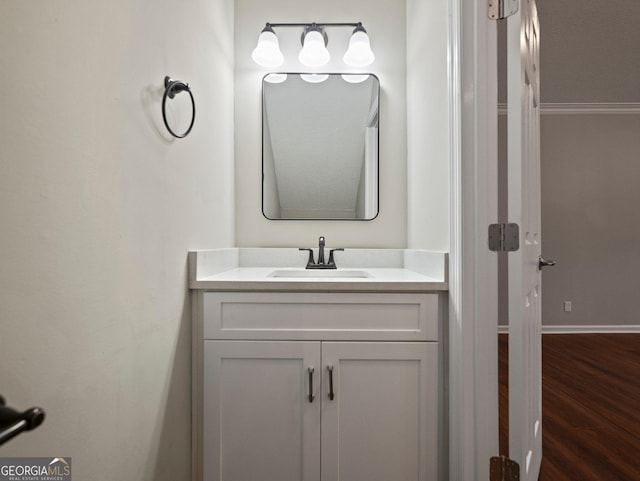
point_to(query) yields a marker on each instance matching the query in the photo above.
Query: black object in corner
(13, 422)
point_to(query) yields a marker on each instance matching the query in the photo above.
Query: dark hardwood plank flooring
(590, 406)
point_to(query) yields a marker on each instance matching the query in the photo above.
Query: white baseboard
(620, 329)
(632, 108)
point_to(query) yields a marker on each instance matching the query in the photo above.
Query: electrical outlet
(568, 306)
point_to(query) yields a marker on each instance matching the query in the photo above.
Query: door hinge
(501, 9)
(502, 468)
(504, 237)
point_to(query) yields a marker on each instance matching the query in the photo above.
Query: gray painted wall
(590, 218)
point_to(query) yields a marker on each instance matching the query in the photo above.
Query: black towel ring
(171, 88)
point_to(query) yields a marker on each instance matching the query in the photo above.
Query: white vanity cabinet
(270, 362)
(258, 422)
(382, 422)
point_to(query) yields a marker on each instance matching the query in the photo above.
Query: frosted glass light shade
(314, 53)
(359, 53)
(267, 53)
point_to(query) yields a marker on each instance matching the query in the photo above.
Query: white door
(259, 422)
(525, 355)
(381, 422)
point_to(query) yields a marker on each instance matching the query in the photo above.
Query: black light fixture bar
(314, 24)
(267, 53)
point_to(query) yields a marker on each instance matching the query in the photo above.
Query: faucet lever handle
(310, 262)
(331, 251)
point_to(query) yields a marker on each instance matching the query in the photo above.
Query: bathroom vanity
(318, 375)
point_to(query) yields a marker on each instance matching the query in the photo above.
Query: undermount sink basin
(315, 273)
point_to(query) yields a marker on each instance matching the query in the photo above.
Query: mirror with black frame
(320, 146)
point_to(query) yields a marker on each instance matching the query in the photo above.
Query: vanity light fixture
(314, 51)
(267, 53)
(314, 40)
(359, 53)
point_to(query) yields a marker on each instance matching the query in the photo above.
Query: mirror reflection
(320, 146)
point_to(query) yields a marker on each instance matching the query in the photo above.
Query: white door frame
(473, 286)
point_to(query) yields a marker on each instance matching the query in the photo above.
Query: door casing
(473, 288)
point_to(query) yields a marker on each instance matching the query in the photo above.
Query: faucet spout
(321, 250)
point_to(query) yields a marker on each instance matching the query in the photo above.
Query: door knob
(542, 262)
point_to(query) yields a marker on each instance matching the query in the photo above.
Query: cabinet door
(259, 424)
(382, 422)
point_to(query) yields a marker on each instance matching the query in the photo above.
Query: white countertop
(226, 270)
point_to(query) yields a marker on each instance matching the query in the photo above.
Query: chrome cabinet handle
(542, 262)
(331, 394)
(311, 398)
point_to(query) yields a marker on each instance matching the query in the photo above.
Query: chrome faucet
(311, 264)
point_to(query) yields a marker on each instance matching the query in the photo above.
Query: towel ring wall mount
(171, 88)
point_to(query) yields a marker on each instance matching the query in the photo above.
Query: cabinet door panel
(382, 422)
(259, 423)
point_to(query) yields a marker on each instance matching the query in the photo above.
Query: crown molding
(628, 108)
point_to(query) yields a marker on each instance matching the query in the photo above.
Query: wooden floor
(590, 406)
